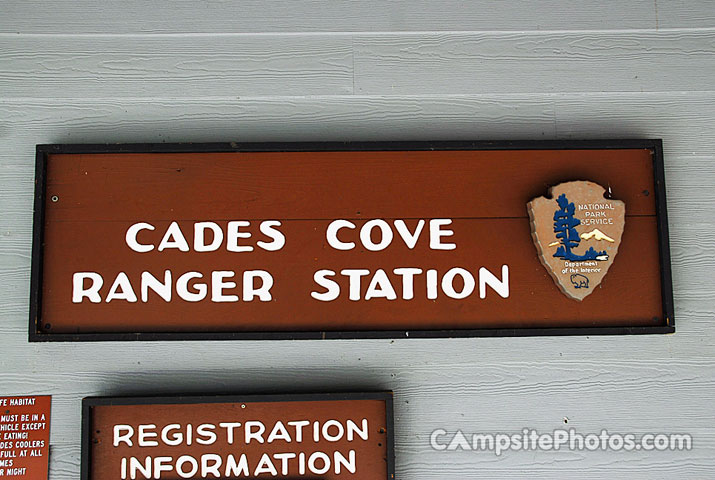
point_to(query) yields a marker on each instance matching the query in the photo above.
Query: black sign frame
(44, 151)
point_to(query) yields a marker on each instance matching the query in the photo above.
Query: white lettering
(279, 240)
(131, 237)
(182, 287)
(448, 283)
(173, 238)
(92, 293)
(249, 288)
(380, 287)
(234, 234)
(332, 288)
(500, 286)
(409, 238)
(121, 289)
(354, 274)
(149, 281)
(331, 235)
(125, 437)
(218, 285)
(408, 281)
(385, 235)
(144, 435)
(200, 237)
(436, 233)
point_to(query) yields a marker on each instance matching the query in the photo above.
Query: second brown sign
(327, 436)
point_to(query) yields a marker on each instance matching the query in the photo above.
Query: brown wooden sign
(329, 436)
(25, 437)
(337, 240)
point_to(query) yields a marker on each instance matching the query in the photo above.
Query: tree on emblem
(565, 224)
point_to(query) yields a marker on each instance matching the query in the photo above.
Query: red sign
(24, 437)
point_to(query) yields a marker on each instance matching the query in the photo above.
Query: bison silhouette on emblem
(579, 281)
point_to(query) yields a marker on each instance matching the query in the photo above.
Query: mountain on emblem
(596, 234)
(577, 233)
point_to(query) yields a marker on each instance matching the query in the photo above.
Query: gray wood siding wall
(199, 70)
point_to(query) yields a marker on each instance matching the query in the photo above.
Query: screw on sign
(24, 437)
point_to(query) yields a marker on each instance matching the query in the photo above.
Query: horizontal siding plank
(683, 120)
(527, 63)
(33, 121)
(691, 14)
(187, 16)
(65, 459)
(668, 116)
(175, 66)
(98, 66)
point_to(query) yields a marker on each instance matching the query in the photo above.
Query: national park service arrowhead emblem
(577, 233)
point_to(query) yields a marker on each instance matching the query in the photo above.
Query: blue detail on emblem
(579, 281)
(565, 224)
